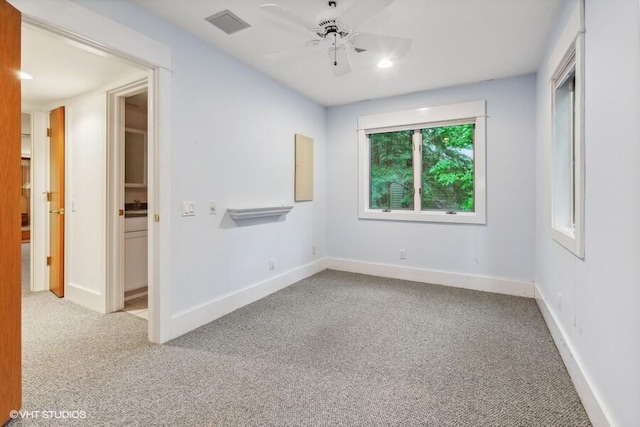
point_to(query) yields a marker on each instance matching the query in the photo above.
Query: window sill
(566, 237)
(398, 215)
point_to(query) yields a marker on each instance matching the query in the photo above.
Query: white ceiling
(454, 42)
(63, 69)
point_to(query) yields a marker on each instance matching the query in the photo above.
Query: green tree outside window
(447, 169)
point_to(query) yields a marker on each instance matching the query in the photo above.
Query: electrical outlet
(188, 208)
(313, 250)
(403, 254)
(272, 264)
(559, 303)
(213, 210)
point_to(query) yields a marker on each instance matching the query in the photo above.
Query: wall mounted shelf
(249, 213)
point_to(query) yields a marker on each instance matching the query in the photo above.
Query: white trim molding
(589, 394)
(93, 30)
(436, 277)
(116, 187)
(84, 297)
(39, 204)
(194, 318)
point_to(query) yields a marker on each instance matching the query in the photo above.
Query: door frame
(95, 31)
(115, 192)
(39, 204)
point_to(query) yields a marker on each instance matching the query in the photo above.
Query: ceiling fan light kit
(385, 63)
(338, 31)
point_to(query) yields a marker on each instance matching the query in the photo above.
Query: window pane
(563, 148)
(391, 170)
(447, 168)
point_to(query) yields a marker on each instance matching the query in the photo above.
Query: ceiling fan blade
(339, 61)
(287, 15)
(297, 52)
(361, 11)
(388, 45)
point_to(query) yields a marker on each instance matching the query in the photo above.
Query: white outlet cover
(213, 210)
(188, 208)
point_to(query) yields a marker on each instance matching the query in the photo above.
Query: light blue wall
(503, 248)
(233, 143)
(599, 311)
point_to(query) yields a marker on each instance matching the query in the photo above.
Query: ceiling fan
(338, 32)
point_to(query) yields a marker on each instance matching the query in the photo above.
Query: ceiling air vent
(227, 22)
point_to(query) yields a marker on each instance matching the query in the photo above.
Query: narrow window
(567, 166)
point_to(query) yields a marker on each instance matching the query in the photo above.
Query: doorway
(25, 202)
(129, 273)
(83, 26)
(85, 220)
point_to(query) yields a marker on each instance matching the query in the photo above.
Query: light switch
(212, 208)
(188, 208)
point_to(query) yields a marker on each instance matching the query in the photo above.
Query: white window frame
(570, 236)
(468, 112)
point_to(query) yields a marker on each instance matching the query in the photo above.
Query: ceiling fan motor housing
(332, 27)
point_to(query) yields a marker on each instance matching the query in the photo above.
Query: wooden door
(56, 202)
(10, 291)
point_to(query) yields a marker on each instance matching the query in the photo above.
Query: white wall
(40, 206)
(599, 312)
(232, 143)
(504, 248)
(85, 201)
(25, 146)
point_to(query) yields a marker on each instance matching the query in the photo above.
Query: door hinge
(48, 260)
(156, 218)
(49, 132)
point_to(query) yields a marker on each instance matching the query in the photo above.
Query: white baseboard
(589, 395)
(84, 297)
(456, 280)
(212, 310)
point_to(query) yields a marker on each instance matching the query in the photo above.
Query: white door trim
(115, 190)
(39, 204)
(93, 30)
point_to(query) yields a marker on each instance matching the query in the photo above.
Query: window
(567, 153)
(424, 165)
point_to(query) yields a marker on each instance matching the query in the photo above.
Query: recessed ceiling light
(385, 63)
(24, 76)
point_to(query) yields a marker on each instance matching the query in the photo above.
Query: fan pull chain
(335, 51)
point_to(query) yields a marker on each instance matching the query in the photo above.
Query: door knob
(58, 211)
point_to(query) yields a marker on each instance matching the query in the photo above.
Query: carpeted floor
(26, 267)
(334, 349)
